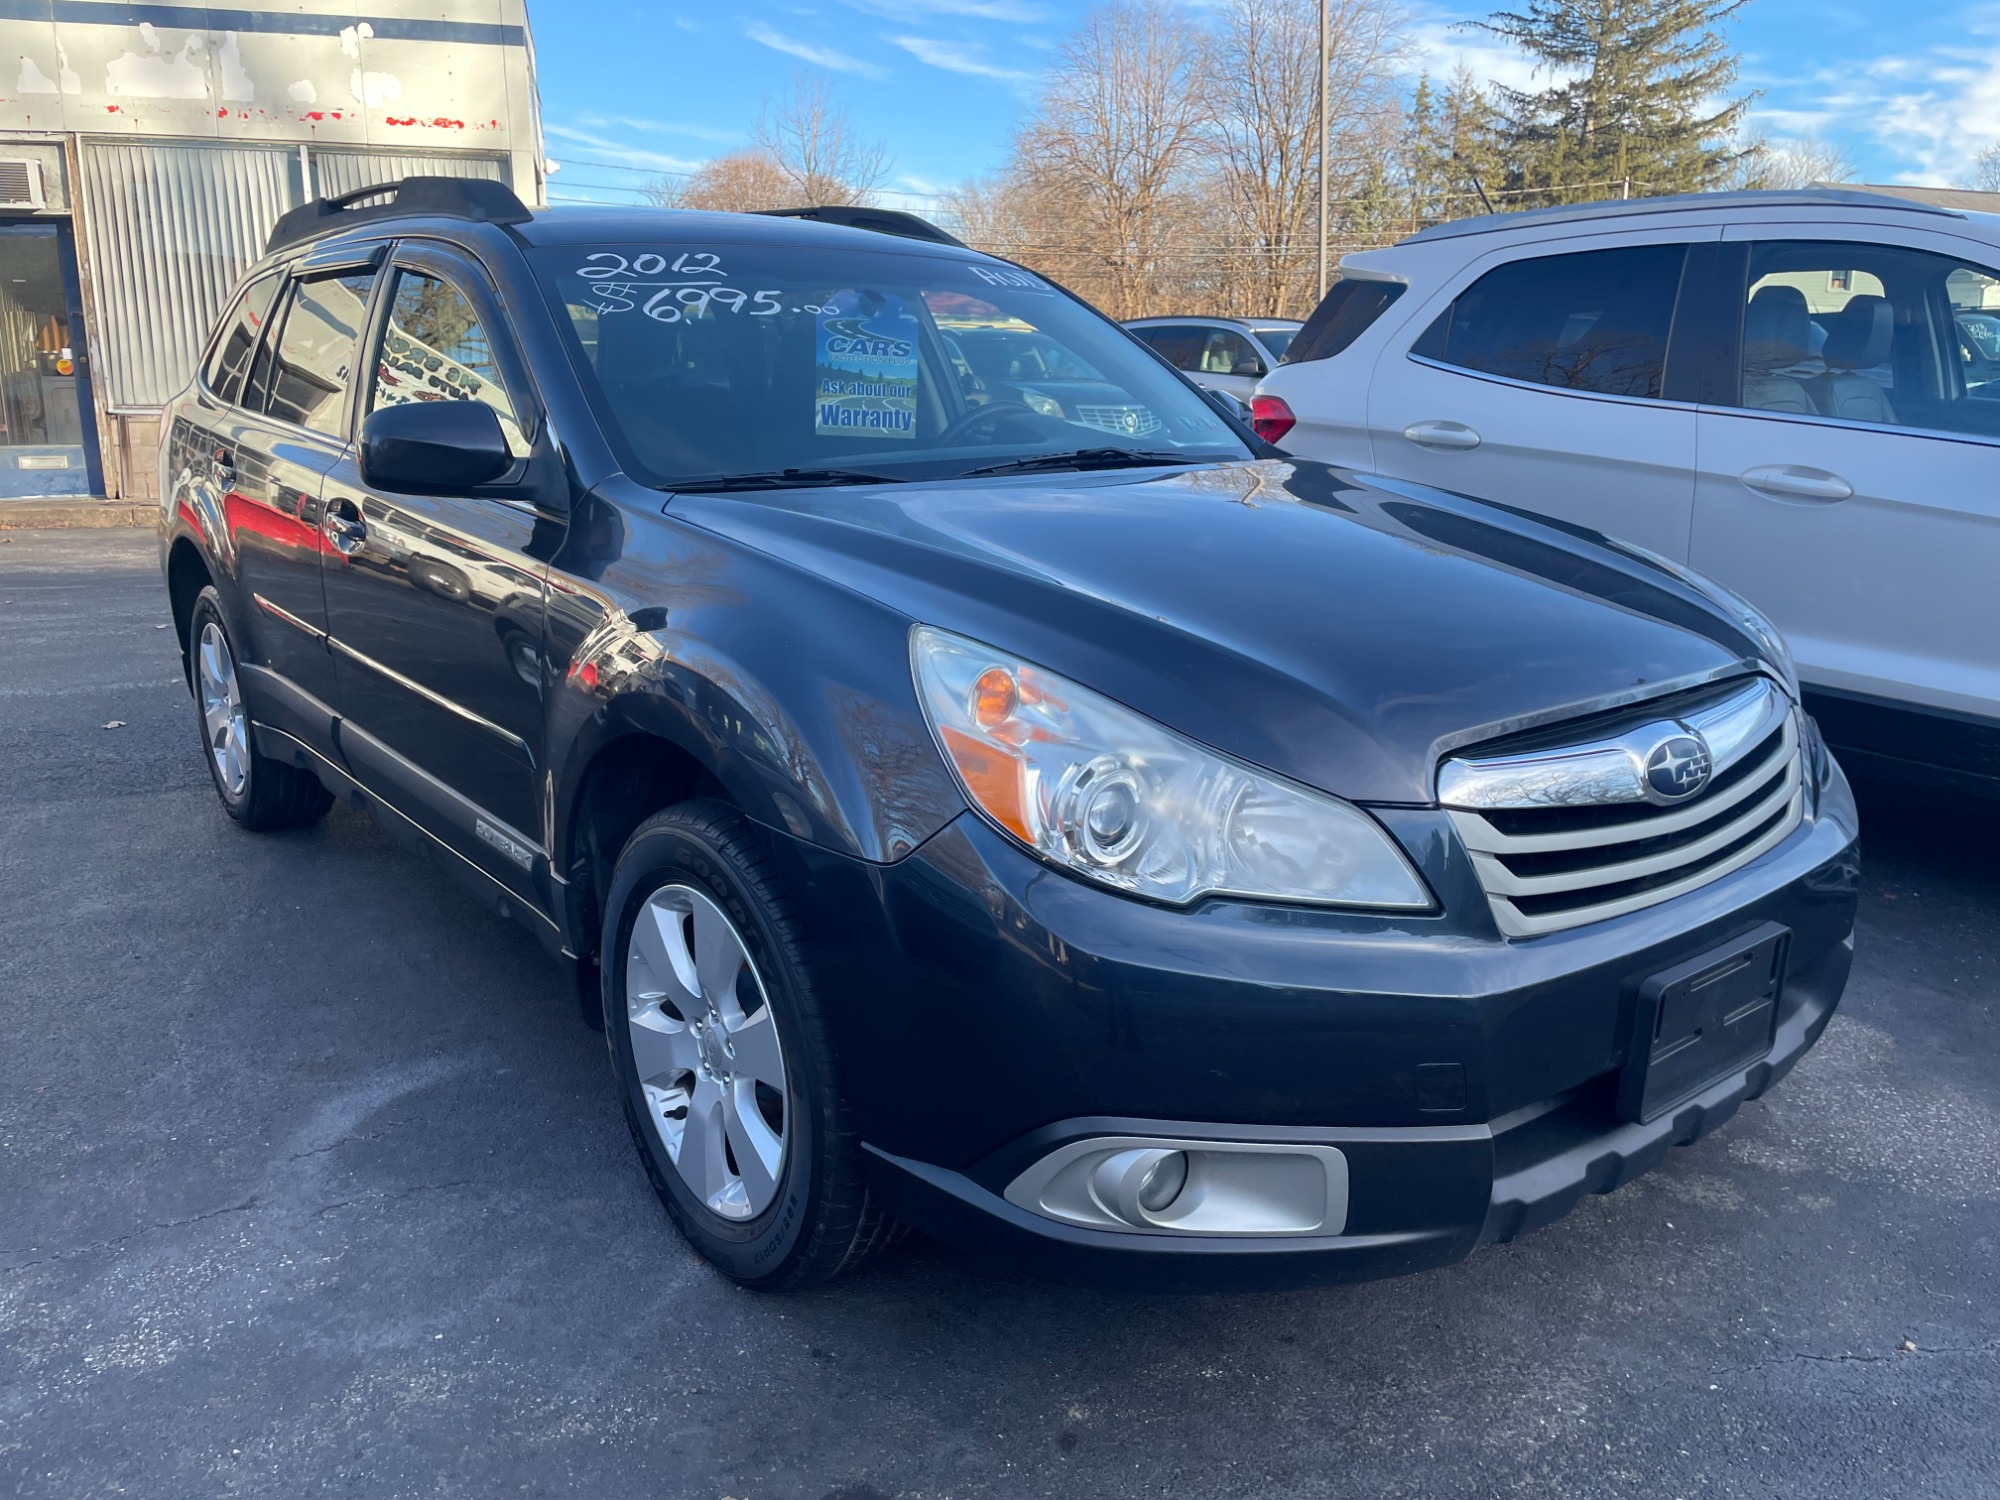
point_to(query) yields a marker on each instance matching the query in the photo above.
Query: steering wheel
(959, 426)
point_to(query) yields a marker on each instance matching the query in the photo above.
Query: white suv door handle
(1794, 482)
(1441, 435)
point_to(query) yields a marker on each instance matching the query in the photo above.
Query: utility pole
(1319, 110)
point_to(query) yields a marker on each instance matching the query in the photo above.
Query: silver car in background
(1220, 354)
(1794, 393)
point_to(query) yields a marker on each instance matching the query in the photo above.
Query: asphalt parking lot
(311, 1183)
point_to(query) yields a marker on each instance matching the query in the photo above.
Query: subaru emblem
(1678, 768)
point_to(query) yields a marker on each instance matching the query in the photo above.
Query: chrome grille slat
(1499, 880)
(1482, 837)
(1756, 732)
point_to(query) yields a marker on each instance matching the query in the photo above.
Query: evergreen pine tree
(1450, 144)
(1642, 98)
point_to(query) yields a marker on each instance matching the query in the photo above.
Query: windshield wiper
(782, 479)
(1082, 458)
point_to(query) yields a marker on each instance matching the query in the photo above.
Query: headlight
(1043, 406)
(1130, 804)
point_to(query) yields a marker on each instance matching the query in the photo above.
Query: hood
(1343, 632)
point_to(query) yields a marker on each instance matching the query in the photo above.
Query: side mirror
(433, 448)
(1228, 405)
(1250, 365)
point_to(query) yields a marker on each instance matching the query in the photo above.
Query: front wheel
(722, 1056)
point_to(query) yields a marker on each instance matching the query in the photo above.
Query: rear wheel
(722, 1056)
(259, 793)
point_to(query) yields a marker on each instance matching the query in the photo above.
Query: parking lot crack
(412, 1192)
(1908, 1351)
(214, 1213)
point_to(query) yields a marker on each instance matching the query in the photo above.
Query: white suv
(1795, 393)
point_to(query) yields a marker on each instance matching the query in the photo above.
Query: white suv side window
(1871, 333)
(1592, 321)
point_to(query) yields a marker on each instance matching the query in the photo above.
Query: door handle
(1796, 482)
(345, 531)
(1443, 435)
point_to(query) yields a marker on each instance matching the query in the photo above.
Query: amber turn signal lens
(996, 778)
(994, 697)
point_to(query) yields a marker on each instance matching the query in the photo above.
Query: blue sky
(1910, 90)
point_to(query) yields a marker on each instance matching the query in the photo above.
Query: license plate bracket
(1701, 1020)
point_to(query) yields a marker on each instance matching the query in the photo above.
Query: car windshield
(708, 363)
(1277, 340)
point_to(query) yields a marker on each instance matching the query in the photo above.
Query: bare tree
(1121, 132)
(1986, 170)
(1264, 134)
(1767, 163)
(739, 182)
(816, 145)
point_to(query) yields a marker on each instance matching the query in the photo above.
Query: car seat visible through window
(1776, 333)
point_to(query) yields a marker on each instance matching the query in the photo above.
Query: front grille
(1132, 421)
(1564, 834)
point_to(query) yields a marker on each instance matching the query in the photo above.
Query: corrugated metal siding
(337, 172)
(169, 229)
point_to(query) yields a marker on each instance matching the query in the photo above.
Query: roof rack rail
(880, 220)
(477, 198)
(1611, 208)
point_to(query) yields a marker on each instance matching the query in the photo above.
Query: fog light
(1163, 1181)
(1150, 1185)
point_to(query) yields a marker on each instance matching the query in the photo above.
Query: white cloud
(1439, 47)
(923, 10)
(825, 57)
(1926, 115)
(618, 152)
(957, 57)
(660, 127)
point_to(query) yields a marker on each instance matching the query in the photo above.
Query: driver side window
(436, 349)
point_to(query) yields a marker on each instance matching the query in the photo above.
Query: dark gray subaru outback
(1035, 811)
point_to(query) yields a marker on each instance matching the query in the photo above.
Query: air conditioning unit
(21, 183)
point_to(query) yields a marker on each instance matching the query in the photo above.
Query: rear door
(435, 603)
(1542, 377)
(1867, 524)
(274, 449)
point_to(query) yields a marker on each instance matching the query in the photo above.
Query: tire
(259, 793)
(688, 874)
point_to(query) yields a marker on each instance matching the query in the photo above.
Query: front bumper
(988, 1010)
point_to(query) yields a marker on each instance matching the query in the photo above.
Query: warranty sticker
(865, 378)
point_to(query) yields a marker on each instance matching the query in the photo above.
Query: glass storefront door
(43, 392)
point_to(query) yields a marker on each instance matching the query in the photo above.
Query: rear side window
(1343, 315)
(316, 351)
(1227, 353)
(1179, 344)
(1596, 321)
(231, 357)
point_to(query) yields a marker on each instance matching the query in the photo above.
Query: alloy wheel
(707, 1052)
(222, 715)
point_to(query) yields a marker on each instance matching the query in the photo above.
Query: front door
(434, 603)
(1849, 480)
(47, 432)
(1543, 384)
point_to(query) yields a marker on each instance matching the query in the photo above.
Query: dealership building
(147, 149)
